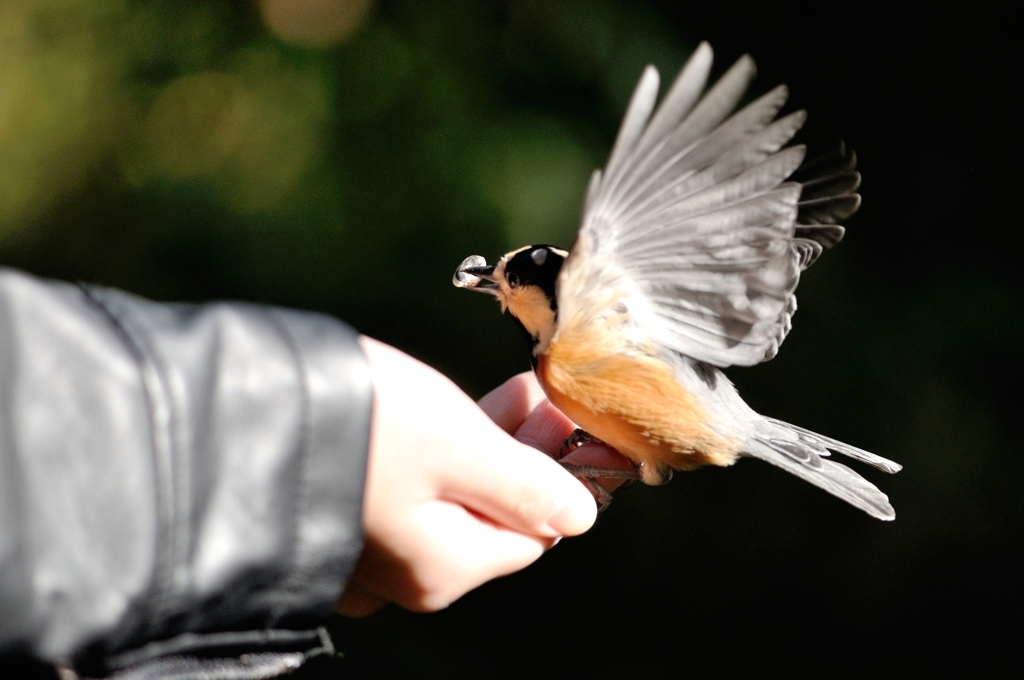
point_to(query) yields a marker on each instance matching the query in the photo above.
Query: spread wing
(702, 221)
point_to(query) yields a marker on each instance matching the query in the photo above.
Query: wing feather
(704, 118)
(711, 148)
(682, 96)
(720, 183)
(703, 219)
(593, 189)
(641, 104)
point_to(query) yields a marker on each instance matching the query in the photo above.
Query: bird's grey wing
(702, 220)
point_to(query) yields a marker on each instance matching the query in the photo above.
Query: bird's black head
(536, 265)
(524, 283)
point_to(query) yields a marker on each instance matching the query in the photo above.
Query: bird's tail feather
(805, 454)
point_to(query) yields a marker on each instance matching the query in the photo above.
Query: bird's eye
(539, 256)
(513, 279)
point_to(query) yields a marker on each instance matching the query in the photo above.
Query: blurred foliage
(178, 149)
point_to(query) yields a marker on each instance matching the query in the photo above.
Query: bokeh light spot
(58, 107)
(314, 23)
(535, 174)
(195, 123)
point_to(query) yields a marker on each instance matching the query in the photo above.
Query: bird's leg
(602, 495)
(589, 474)
(581, 437)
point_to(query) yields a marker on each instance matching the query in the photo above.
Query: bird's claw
(577, 439)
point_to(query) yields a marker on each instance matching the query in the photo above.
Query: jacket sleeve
(172, 476)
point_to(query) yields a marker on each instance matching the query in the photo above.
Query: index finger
(511, 403)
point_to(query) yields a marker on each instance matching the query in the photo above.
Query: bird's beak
(475, 274)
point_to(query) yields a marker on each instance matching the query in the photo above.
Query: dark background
(438, 130)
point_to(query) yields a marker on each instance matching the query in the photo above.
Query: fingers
(545, 429)
(451, 499)
(510, 404)
(471, 551)
(433, 439)
(520, 487)
(600, 455)
(448, 551)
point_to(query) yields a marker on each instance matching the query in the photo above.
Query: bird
(691, 244)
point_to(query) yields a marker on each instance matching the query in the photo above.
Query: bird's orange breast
(633, 403)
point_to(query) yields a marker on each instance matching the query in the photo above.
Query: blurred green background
(345, 155)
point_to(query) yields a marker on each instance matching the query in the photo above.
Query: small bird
(689, 251)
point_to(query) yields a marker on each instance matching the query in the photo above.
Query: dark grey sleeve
(167, 470)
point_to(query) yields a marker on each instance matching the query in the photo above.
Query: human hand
(520, 407)
(452, 501)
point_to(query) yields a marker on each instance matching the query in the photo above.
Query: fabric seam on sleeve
(298, 563)
(161, 415)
